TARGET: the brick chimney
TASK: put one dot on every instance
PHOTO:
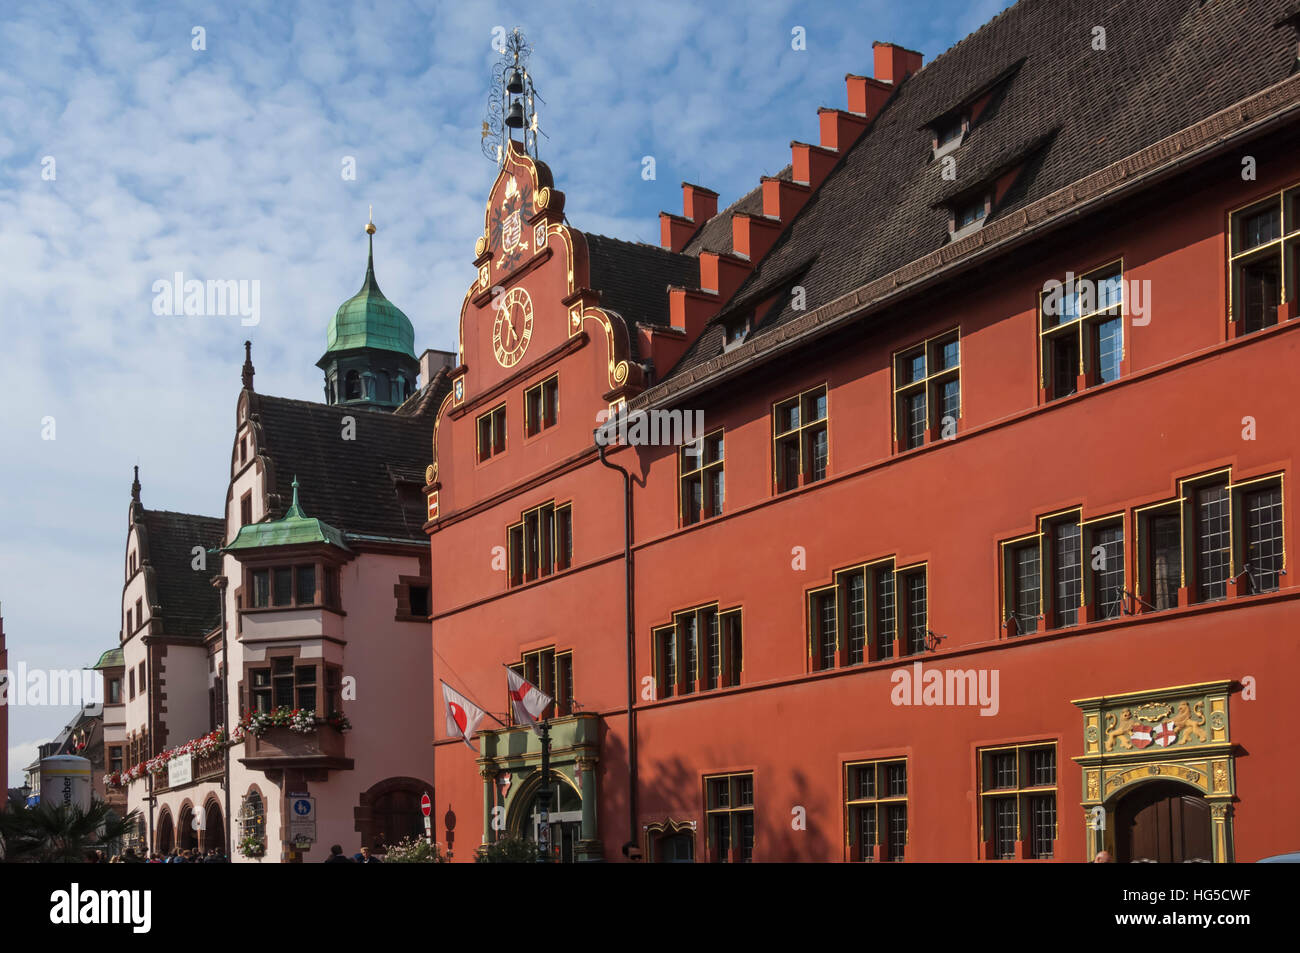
(431, 362)
(894, 63)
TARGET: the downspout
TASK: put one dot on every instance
(631, 646)
(149, 734)
(220, 583)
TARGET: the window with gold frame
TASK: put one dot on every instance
(542, 406)
(927, 390)
(552, 673)
(701, 478)
(1081, 332)
(1264, 242)
(1218, 538)
(800, 440)
(1017, 787)
(870, 612)
(701, 650)
(875, 795)
(540, 544)
(490, 429)
(729, 817)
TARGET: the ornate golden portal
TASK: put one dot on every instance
(1170, 734)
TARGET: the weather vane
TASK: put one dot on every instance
(512, 101)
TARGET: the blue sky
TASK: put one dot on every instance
(225, 163)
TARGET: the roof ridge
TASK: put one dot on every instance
(194, 516)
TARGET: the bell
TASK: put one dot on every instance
(515, 85)
(515, 117)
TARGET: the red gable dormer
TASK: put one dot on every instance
(531, 314)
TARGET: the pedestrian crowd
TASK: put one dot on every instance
(177, 856)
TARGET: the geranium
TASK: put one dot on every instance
(338, 721)
(252, 846)
(302, 721)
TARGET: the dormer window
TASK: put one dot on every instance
(967, 215)
(949, 132)
(737, 331)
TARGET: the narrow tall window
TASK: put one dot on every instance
(855, 598)
(885, 618)
(824, 643)
(1066, 572)
(1263, 539)
(491, 431)
(702, 478)
(1166, 562)
(1025, 588)
(914, 588)
(1107, 566)
(541, 406)
(665, 662)
(801, 448)
(1213, 542)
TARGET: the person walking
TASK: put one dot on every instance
(336, 856)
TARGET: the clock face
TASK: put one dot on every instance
(513, 327)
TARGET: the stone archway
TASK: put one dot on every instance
(214, 826)
(565, 809)
(163, 836)
(390, 811)
(1163, 821)
(186, 836)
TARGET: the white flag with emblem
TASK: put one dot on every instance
(526, 699)
(463, 715)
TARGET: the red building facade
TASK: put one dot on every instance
(962, 568)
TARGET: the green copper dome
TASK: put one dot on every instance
(293, 529)
(369, 320)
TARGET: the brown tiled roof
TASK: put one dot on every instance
(1068, 111)
(353, 485)
(716, 235)
(184, 599)
(633, 279)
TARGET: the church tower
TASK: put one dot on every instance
(369, 358)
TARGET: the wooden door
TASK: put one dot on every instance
(1162, 821)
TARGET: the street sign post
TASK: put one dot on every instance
(426, 808)
(302, 819)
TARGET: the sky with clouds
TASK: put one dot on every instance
(226, 163)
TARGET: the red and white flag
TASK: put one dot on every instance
(527, 700)
(463, 715)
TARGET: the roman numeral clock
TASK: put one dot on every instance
(513, 327)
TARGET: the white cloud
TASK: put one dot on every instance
(225, 163)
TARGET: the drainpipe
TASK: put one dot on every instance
(149, 734)
(220, 583)
(631, 646)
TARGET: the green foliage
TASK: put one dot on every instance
(414, 850)
(252, 846)
(58, 834)
(508, 850)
